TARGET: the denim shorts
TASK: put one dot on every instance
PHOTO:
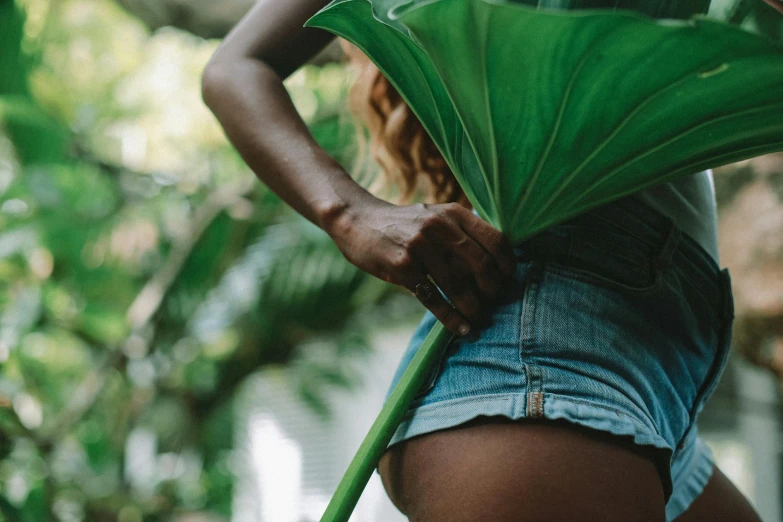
(617, 321)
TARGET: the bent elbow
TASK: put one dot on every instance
(214, 78)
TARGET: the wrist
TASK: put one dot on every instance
(333, 214)
(336, 215)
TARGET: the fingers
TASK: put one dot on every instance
(483, 248)
(466, 257)
(435, 303)
(456, 281)
(491, 239)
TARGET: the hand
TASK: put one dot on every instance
(777, 4)
(469, 259)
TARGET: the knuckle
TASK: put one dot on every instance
(496, 241)
(416, 241)
(453, 208)
(402, 261)
(431, 222)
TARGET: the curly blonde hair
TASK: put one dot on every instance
(408, 157)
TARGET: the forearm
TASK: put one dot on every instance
(259, 118)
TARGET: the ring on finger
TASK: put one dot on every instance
(425, 291)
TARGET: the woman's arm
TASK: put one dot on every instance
(470, 260)
(242, 85)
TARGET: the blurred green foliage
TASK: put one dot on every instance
(145, 272)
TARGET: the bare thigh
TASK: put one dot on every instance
(501, 470)
(720, 501)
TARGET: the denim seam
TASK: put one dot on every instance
(663, 259)
(715, 308)
(620, 225)
(534, 404)
(527, 317)
(592, 278)
(699, 474)
(535, 397)
(713, 376)
(433, 411)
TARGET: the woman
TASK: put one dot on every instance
(581, 357)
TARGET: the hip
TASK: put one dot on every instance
(616, 315)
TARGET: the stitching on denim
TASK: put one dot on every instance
(621, 414)
(715, 307)
(425, 410)
(619, 224)
(431, 410)
(598, 237)
(597, 405)
(535, 404)
(527, 317)
(663, 259)
(712, 378)
(616, 216)
(620, 251)
(592, 278)
(535, 384)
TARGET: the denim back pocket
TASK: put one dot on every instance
(607, 258)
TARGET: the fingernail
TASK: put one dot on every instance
(464, 329)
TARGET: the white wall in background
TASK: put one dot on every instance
(289, 461)
(749, 448)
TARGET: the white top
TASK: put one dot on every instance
(690, 202)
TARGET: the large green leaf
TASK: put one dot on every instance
(545, 113)
(412, 74)
(561, 111)
(664, 8)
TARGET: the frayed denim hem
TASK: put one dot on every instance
(692, 474)
(449, 413)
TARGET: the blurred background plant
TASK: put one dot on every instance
(145, 273)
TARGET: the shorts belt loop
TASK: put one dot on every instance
(664, 256)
